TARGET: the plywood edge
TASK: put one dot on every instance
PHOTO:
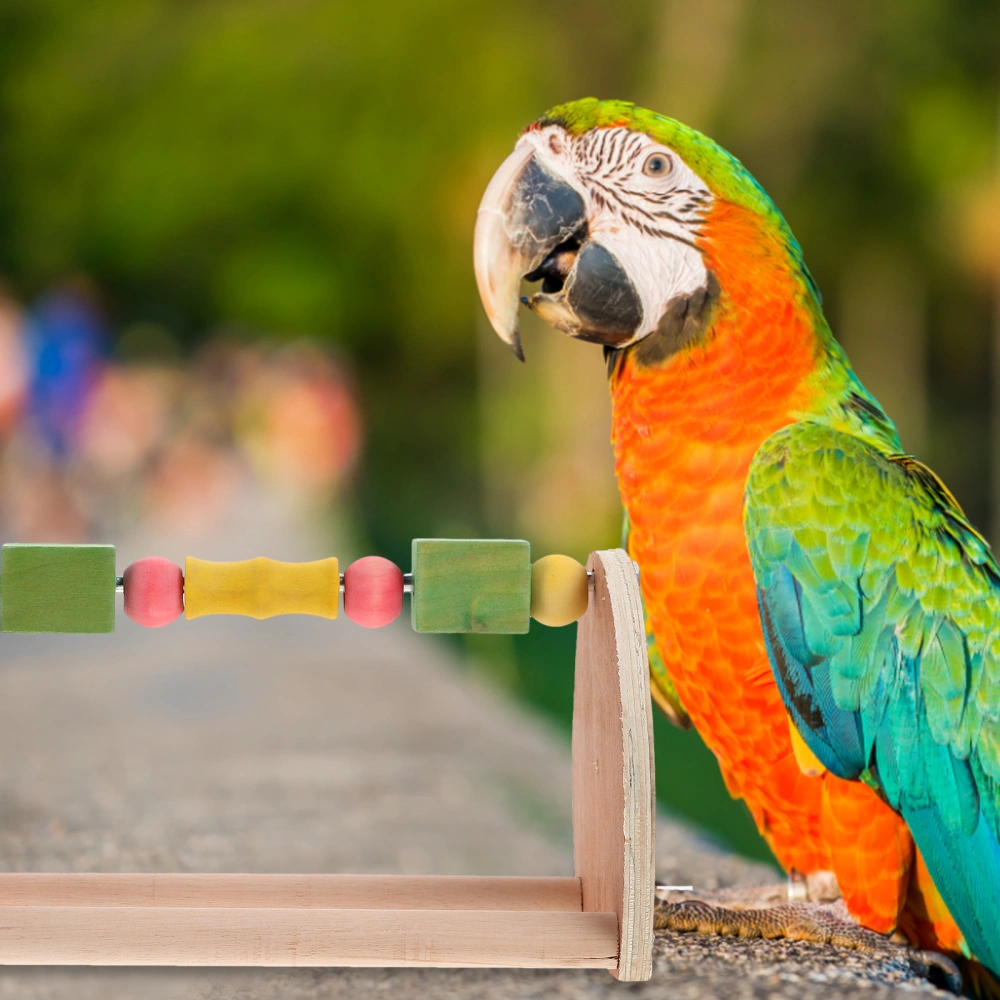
(398, 892)
(638, 771)
(287, 937)
(613, 783)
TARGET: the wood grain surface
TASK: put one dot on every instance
(471, 585)
(399, 892)
(57, 588)
(290, 936)
(261, 588)
(613, 785)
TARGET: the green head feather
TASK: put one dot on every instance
(721, 171)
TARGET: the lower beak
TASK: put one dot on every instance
(533, 224)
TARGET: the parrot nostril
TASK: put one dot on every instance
(553, 271)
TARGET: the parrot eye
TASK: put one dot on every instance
(656, 165)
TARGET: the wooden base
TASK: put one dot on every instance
(602, 918)
(301, 920)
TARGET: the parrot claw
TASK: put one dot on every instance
(767, 916)
(938, 968)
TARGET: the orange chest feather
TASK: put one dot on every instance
(685, 432)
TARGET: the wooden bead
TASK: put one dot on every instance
(471, 585)
(261, 588)
(154, 592)
(558, 590)
(373, 591)
(57, 588)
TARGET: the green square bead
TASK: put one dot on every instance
(57, 588)
(471, 585)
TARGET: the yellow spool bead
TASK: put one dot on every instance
(558, 590)
(261, 588)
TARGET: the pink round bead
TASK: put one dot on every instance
(154, 592)
(373, 591)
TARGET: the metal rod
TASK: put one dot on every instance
(407, 581)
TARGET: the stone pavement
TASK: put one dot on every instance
(298, 745)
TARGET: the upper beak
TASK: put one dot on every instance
(533, 224)
(525, 213)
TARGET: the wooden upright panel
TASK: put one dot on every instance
(613, 792)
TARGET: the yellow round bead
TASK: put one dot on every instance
(558, 590)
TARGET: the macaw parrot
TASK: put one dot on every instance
(818, 605)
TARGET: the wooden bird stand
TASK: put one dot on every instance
(601, 918)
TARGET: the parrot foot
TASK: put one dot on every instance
(767, 913)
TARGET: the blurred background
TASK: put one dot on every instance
(235, 261)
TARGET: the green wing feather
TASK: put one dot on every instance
(880, 606)
(662, 686)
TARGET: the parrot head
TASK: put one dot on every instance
(606, 204)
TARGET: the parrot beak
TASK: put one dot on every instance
(525, 214)
(532, 225)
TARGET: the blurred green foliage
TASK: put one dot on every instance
(291, 168)
(312, 167)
